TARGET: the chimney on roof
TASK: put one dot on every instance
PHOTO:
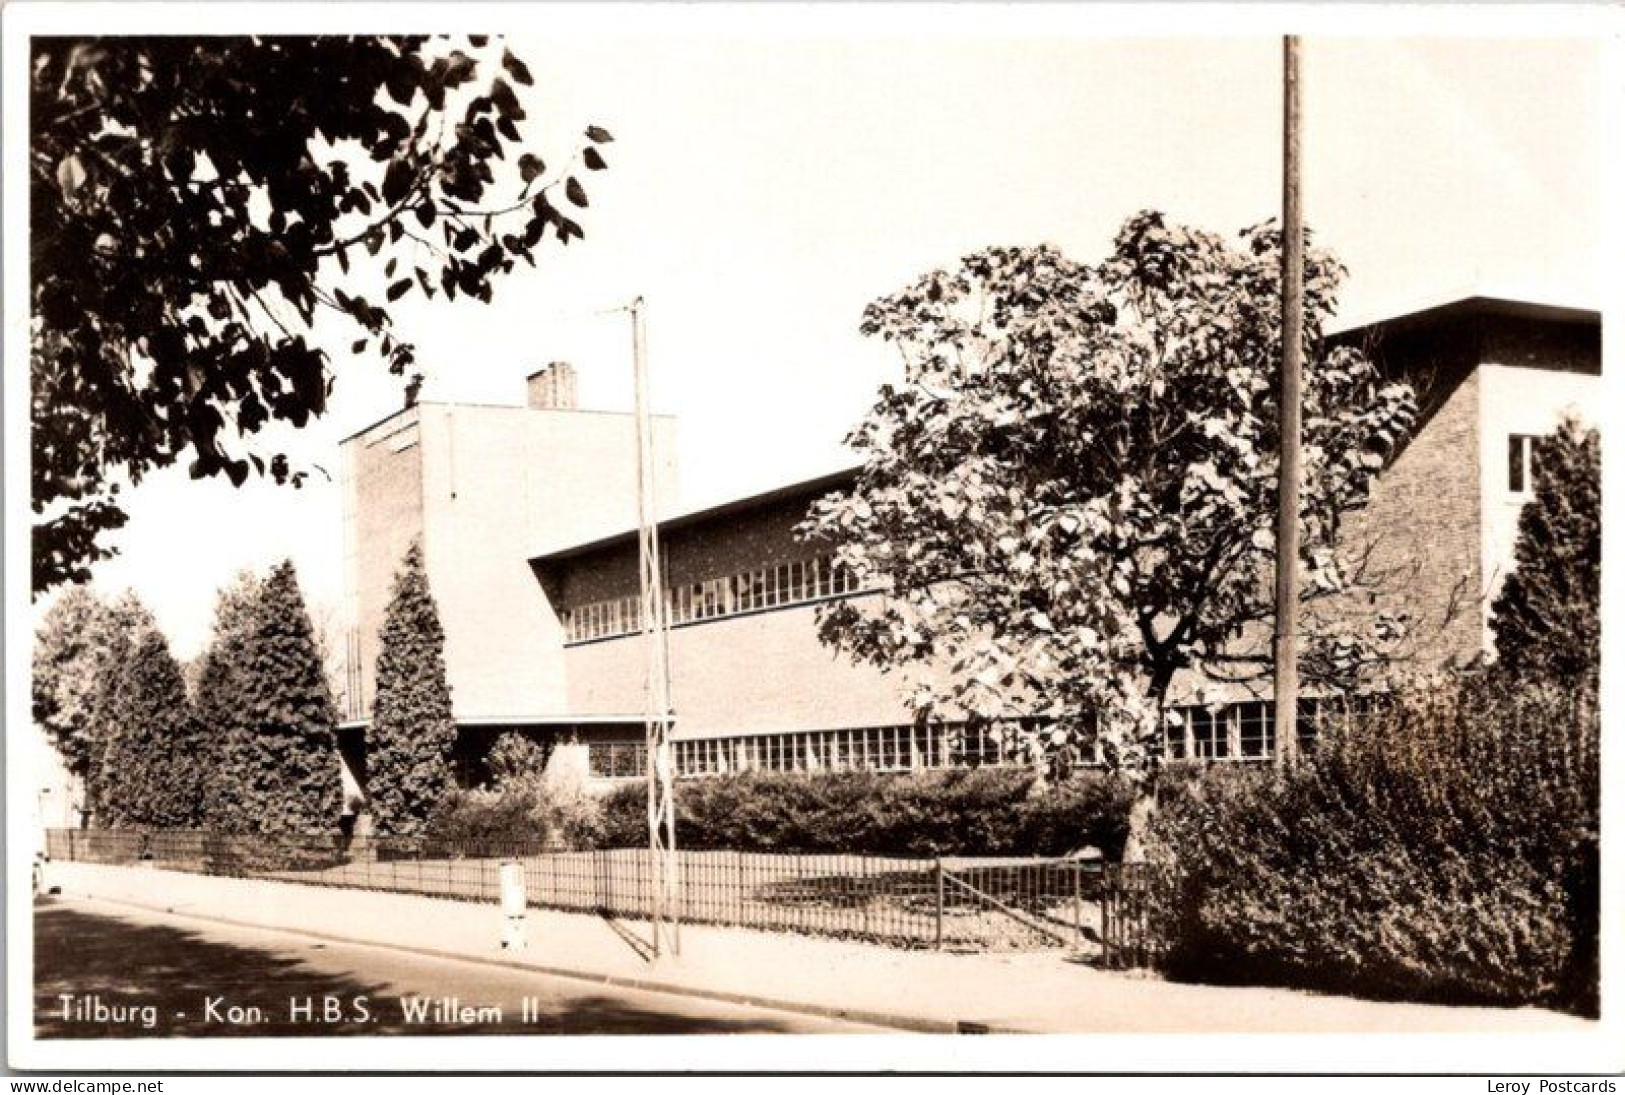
(552, 388)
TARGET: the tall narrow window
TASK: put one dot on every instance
(1520, 462)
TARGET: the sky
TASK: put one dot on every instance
(762, 190)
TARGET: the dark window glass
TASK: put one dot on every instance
(1518, 462)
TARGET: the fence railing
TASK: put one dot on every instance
(950, 904)
(1127, 940)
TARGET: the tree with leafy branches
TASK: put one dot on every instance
(70, 653)
(1069, 500)
(412, 734)
(81, 642)
(1546, 616)
(154, 766)
(199, 204)
(279, 762)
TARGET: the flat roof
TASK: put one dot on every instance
(817, 485)
(1422, 316)
(486, 407)
(1474, 305)
(498, 721)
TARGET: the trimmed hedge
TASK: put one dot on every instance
(520, 812)
(968, 812)
(1443, 848)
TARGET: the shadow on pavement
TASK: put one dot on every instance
(128, 967)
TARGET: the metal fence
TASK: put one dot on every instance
(949, 904)
(1127, 939)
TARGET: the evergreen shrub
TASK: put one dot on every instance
(152, 755)
(279, 763)
(413, 732)
(1439, 848)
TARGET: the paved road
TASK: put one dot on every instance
(106, 971)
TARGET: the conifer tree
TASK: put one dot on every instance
(116, 632)
(1545, 619)
(219, 700)
(280, 767)
(408, 763)
(151, 760)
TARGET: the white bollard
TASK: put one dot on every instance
(512, 876)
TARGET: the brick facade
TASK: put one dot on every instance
(762, 671)
(508, 501)
(1421, 528)
(383, 499)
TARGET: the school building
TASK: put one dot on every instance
(527, 519)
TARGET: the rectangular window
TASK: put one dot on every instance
(1173, 743)
(1520, 462)
(750, 591)
(894, 755)
(1257, 721)
(1308, 724)
(617, 759)
(1210, 733)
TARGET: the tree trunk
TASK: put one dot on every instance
(1140, 814)
(1144, 808)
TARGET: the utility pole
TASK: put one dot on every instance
(658, 714)
(1286, 524)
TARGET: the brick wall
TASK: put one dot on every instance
(1442, 513)
(1422, 527)
(384, 508)
(760, 672)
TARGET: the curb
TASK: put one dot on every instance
(911, 1023)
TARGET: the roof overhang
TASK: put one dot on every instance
(486, 721)
(1471, 307)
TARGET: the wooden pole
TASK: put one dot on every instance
(1286, 527)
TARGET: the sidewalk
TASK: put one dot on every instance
(911, 990)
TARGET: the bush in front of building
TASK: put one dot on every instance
(515, 756)
(527, 812)
(962, 812)
(1442, 848)
(524, 803)
(474, 817)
